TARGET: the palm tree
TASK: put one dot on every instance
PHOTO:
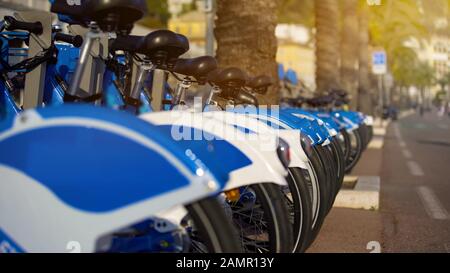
(396, 22)
(158, 14)
(245, 34)
(365, 95)
(296, 12)
(349, 60)
(327, 44)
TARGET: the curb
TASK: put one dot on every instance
(365, 195)
(405, 114)
(363, 192)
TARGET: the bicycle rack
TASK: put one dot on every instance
(139, 73)
(158, 87)
(92, 75)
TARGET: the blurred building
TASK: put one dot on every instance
(193, 26)
(435, 51)
(176, 6)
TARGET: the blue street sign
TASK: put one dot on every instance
(379, 62)
(379, 58)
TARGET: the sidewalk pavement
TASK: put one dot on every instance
(354, 230)
(348, 230)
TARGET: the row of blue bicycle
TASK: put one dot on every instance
(103, 147)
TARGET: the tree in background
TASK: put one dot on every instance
(391, 25)
(245, 34)
(395, 22)
(443, 96)
(423, 78)
(327, 44)
(403, 71)
(349, 48)
(435, 12)
(158, 14)
(188, 7)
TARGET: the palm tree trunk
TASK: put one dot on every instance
(327, 44)
(365, 96)
(349, 60)
(245, 34)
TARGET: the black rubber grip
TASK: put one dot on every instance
(130, 43)
(75, 40)
(12, 24)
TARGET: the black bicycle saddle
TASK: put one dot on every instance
(260, 84)
(163, 47)
(228, 77)
(199, 67)
(111, 15)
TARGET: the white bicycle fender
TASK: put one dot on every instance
(368, 121)
(298, 156)
(292, 137)
(261, 170)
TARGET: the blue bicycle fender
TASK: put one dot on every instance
(99, 161)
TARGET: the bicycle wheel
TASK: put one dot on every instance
(300, 209)
(214, 232)
(364, 132)
(345, 143)
(339, 158)
(324, 189)
(370, 130)
(204, 229)
(330, 173)
(260, 216)
(355, 150)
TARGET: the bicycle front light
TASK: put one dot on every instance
(284, 152)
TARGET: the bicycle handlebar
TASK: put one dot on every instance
(12, 24)
(75, 40)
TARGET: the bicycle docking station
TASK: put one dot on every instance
(90, 75)
(174, 196)
(35, 80)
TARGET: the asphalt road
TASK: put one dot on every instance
(415, 189)
(414, 167)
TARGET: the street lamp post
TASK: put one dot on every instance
(380, 95)
(379, 68)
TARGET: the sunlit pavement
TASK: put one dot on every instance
(415, 193)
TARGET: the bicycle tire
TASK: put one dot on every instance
(274, 216)
(215, 228)
(355, 152)
(302, 209)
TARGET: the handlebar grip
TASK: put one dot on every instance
(75, 40)
(12, 24)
